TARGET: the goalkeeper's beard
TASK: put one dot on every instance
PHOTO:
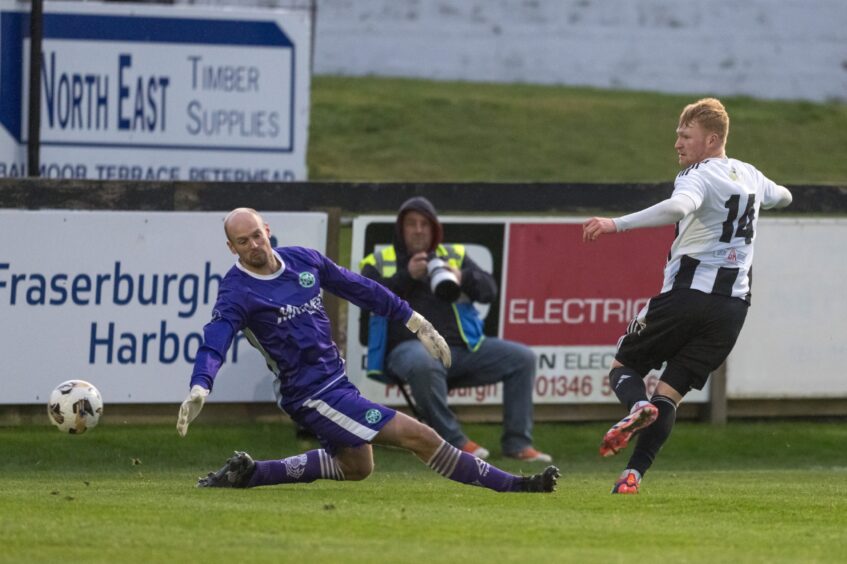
(257, 258)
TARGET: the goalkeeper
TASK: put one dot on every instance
(273, 295)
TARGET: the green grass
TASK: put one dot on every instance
(383, 129)
(747, 492)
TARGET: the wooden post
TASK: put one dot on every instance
(34, 131)
(717, 396)
(332, 304)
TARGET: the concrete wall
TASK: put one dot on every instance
(791, 49)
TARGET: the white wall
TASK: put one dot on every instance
(792, 49)
(793, 342)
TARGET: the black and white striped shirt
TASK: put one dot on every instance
(713, 249)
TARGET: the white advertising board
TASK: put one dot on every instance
(120, 299)
(793, 342)
(158, 92)
(557, 295)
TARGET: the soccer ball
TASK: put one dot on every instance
(75, 406)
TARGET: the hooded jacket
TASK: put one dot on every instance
(457, 322)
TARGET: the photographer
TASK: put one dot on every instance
(441, 282)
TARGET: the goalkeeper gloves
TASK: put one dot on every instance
(430, 338)
(190, 408)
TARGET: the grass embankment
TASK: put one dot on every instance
(382, 129)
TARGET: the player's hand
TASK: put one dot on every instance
(596, 226)
(190, 408)
(431, 339)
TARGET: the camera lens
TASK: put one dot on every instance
(442, 281)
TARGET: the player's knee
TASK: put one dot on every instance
(359, 475)
(615, 375)
(358, 471)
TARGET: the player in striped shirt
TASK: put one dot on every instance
(695, 320)
(274, 295)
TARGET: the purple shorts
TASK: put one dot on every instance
(341, 417)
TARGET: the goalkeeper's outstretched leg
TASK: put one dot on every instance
(404, 432)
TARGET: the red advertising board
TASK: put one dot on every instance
(560, 291)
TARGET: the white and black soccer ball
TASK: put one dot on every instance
(75, 406)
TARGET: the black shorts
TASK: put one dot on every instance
(692, 331)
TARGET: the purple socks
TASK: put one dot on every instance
(462, 467)
(303, 468)
(448, 461)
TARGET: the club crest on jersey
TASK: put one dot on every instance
(731, 255)
(733, 174)
(373, 416)
(307, 279)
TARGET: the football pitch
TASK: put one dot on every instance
(763, 491)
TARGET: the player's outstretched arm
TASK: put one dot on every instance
(666, 212)
(430, 338)
(190, 408)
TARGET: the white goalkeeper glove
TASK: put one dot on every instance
(432, 341)
(190, 408)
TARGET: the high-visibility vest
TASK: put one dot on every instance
(467, 318)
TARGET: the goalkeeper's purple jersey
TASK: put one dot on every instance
(282, 315)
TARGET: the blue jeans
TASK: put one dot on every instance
(496, 360)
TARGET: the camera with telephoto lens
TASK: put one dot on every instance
(442, 281)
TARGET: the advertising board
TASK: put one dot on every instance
(120, 299)
(133, 92)
(567, 300)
